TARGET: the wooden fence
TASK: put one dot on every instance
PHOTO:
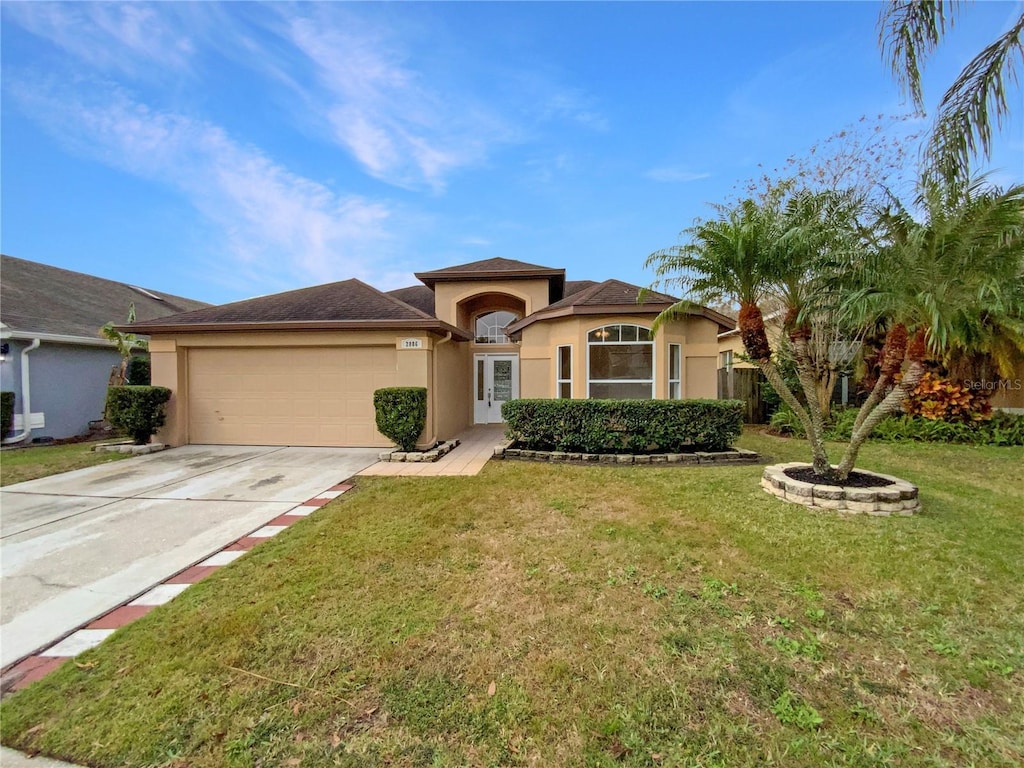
(743, 384)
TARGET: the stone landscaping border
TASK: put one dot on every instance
(899, 498)
(426, 456)
(736, 456)
(128, 448)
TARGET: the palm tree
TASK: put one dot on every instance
(950, 282)
(909, 31)
(762, 252)
(125, 343)
(935, 285)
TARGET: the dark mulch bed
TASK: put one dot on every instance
(855, 480)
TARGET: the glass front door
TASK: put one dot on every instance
(495, 381)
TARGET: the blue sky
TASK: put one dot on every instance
(225, 151)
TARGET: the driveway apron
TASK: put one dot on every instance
(75, 545)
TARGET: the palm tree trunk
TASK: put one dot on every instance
(809, 383)
(892, 403)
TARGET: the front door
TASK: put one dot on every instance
(495, 381)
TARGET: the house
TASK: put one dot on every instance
(51, 354)
(300, 368)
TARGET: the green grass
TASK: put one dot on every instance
(564, 616)
(21, 464)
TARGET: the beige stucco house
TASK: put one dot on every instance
(300, 368)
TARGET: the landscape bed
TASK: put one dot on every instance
(558, 615)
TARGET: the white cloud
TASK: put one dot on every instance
(479, 241)
(121, 36)
(675, 174)
(400, 128)
(277, 226)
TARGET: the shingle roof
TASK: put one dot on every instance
(344, 300)
(612, 297)
(348, 303)
(497, 264)
(575, 286)
(418, 296)
(611, 292)
(37, 298)
(490, 269)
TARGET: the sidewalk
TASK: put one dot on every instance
(9, 758)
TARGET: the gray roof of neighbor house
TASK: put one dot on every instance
(348, 304)
(40, 300)
(613, 297)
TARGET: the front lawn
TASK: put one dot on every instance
(551, 615)
(21, 464)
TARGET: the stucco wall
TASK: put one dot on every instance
(540, 341)
(447, 296)
(68, 384)
(448, 402)
(452, 396)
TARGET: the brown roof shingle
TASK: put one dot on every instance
(418, 296)
(344, 300)
(612, 297)
(345, 304)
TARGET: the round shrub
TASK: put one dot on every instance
(138, 411)
(401, 414)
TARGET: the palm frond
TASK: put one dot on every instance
(908, 32)
(973, 104)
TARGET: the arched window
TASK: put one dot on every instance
(620, 362)
(490, 327)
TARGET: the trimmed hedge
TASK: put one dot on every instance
(1002, 429)
(401, 414)
(139, 411)
(6, 412)
(624, 426)
(139, 372)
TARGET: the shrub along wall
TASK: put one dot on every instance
(1001, 429)
(139, 411)
(139, 371)
(624, 426)
(6, 412)
(401, 414)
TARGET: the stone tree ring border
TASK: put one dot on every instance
(897, 498)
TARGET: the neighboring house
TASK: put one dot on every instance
(300, 368)
(51, 317)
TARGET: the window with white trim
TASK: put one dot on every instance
(675, 371)
(726, 360)
(490, 327)
(563, 372)
(620, 363)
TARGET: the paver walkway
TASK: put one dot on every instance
(476, 447)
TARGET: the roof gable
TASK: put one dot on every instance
(613, 297)
(612, 293)
(40, 299)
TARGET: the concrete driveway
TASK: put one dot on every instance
(75, 545)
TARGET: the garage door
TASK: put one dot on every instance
(278, 396)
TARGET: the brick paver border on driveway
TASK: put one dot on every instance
(41, 663)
